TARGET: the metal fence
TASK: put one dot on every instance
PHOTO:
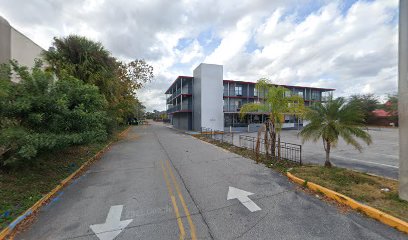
(220, 136)
(288, 151)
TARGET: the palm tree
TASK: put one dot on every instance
(277, 102)
(333, 119)
(86, 60)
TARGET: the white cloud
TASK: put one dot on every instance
(355, 49)
(352, 50)
(233, 42)
(192, 52)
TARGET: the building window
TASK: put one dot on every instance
(225, 104)
(238, 90)
(226, 90)
(238, 104)
(315, 95)
(255, 92)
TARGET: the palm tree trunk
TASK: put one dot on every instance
(257, 150)
(272, 130)
(258, 144)
(279, 147)
(266, 141)
(327, 163)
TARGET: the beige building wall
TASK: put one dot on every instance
(16, 46)
(5, 38)
(23, 49)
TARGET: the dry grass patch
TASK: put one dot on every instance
(364, 188)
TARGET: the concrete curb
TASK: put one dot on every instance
(369, 211)
(9, 229)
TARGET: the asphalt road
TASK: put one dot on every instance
(157, 174)
(379, 158)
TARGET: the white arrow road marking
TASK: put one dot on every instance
(113, 226)
(242, 196)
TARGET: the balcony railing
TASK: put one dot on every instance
(174, 109)
(179, 107)
(176, 93)
(231, 109)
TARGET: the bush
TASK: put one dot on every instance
(40, 113)
(90, 62)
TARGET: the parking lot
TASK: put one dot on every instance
(379, 158)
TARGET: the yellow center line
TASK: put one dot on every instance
(173, 200)
(183, 203)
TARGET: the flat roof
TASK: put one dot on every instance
(283, 85)
(244, 82)
(174, 82)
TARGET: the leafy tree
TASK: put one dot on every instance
(140, 110)
(149, 115)
(90, 62)
(132, 77)
(5, 91)
(163, 116)
(367, 103)
(86, 60)
(333, 119)
(278, 102)
(41, 113)
(391, 104)
(137, 72)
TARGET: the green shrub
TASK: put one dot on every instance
(40, 113)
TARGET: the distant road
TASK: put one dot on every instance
(380, 158)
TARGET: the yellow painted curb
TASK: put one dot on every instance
(370, 211)
(9, 229)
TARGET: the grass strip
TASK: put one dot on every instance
(377, 192)
(280, 166)
(21, 188)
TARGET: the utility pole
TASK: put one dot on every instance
(403, 99)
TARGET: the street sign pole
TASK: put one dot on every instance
(403, 99)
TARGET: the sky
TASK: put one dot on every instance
(351, 46)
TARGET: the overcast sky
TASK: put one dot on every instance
(347, 45)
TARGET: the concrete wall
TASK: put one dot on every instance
(5, 38)
(23, 49)
(181, 121)
(16, 46)
(288, 125)
(403, 99)
(208, 80)
(197, 99)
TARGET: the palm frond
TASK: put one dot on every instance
(333, 119)
(251, 107)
